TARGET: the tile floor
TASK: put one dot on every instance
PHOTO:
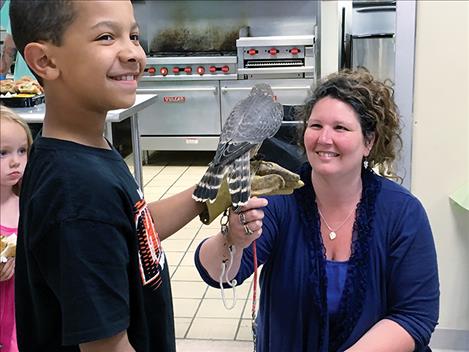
(202, 322)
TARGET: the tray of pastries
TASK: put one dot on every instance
(23, 93)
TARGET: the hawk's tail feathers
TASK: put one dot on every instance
(239, 181)
(208, 186)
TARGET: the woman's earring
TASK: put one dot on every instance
(365, 163)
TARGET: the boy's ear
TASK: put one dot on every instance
(37, 56)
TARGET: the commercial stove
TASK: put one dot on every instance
(198, 90)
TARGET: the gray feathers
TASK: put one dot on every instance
(252, 120)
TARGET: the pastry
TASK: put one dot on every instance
(7, 86)
(24, 79)
(31, 87)
(7, 246)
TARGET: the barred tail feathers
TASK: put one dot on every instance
(208, 186)
(239, 181)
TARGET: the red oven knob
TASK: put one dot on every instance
(212, 69)
(295, 51)
(163, 71)
(273, 51)
(200, 70)
(151, 70)
(188, 70)
(175, 69)
(225, 69)
(252, 52)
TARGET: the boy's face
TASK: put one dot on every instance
(100, 58)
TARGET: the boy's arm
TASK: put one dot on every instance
(116, 343)
(172, 213)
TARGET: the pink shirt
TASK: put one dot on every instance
(7, 307)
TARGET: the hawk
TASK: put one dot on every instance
(252, 120)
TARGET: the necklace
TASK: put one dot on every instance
(332, 233)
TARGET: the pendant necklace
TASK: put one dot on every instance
(333, 233)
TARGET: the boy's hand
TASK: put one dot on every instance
(7, 269)
(268, 178)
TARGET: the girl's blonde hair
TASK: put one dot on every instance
(7, 114)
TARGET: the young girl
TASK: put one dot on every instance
(15, 141)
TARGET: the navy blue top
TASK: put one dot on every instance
(392, 272)
(336, 274)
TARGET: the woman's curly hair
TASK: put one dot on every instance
(373, 101)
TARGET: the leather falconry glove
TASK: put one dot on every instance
(268, 178)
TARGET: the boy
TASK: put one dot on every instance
(90, 271)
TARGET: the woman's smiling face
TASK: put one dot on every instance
(334, 139)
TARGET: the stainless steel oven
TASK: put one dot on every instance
(198, 90)
(170, 123)
(186, 115)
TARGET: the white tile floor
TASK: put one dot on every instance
(202, 322)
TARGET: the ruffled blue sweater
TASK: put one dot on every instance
(392, 272)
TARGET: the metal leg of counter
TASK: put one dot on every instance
(108, 131)
(137, 152)
(136, 149)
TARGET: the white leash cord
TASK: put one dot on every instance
(224, 277)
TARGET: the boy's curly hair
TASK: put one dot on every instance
(373, 101)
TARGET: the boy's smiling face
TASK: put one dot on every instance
(100, 57)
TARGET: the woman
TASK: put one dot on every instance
(349, 261)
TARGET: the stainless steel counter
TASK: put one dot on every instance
(36, 115)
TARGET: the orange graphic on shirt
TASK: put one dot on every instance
(150, 253)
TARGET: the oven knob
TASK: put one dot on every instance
(200, 70)
(151, 71)
(225, 69)
(163, 71)
(212, 69)
(188, 70)
(252, 52)
(273, 51)
(175, 69)
(295, 51)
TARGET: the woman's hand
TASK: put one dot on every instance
(7, 269)
(245, 226)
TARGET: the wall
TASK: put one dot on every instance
(440, 148)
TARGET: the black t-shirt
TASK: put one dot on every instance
(89, 262)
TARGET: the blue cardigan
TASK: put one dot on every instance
(392, 271)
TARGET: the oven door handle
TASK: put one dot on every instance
(225, 90)
(275, 69)
(181, 89)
